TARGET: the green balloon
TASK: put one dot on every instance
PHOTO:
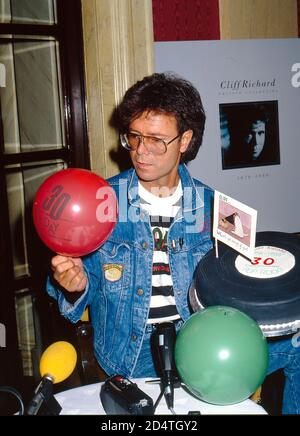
(221, 355)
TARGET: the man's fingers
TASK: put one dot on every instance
(73, 279)
(65, 266)
(78, 283)
(62, 263)
(56, 260)
(69, 273)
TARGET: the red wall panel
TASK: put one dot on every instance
(185, 20)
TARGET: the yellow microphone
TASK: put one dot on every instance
(57, 363)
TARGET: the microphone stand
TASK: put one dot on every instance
(43, 401)
(164, 342)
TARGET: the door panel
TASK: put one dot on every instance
(28, 11)
(42, 130)
(31, 101)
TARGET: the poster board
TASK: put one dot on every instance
(235, 79)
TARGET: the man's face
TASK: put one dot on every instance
(256, 138)
(158, 170)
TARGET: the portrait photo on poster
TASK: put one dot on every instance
(249, 133)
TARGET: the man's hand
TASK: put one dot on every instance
(69, 273)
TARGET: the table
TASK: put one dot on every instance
(85, 400)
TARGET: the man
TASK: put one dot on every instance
(255, 139)
(141, 275)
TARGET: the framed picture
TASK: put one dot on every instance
(249, 134)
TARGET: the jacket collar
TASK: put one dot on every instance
(191, 196)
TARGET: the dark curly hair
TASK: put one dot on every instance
(169, 94)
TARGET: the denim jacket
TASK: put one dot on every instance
(120, 271)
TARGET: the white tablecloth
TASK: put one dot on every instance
(85, 400)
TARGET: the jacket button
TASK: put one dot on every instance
(133, 337)
(140, 291)
(145, 245)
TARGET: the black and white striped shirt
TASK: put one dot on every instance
(162, 211)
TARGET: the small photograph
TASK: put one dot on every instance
(249, 134)
(234, 224)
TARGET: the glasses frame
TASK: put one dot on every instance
(125, 143)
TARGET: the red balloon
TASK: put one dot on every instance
(74, 212)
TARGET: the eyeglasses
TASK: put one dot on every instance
(154, 145)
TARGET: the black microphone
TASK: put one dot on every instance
(165, 341)
(42, 394)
